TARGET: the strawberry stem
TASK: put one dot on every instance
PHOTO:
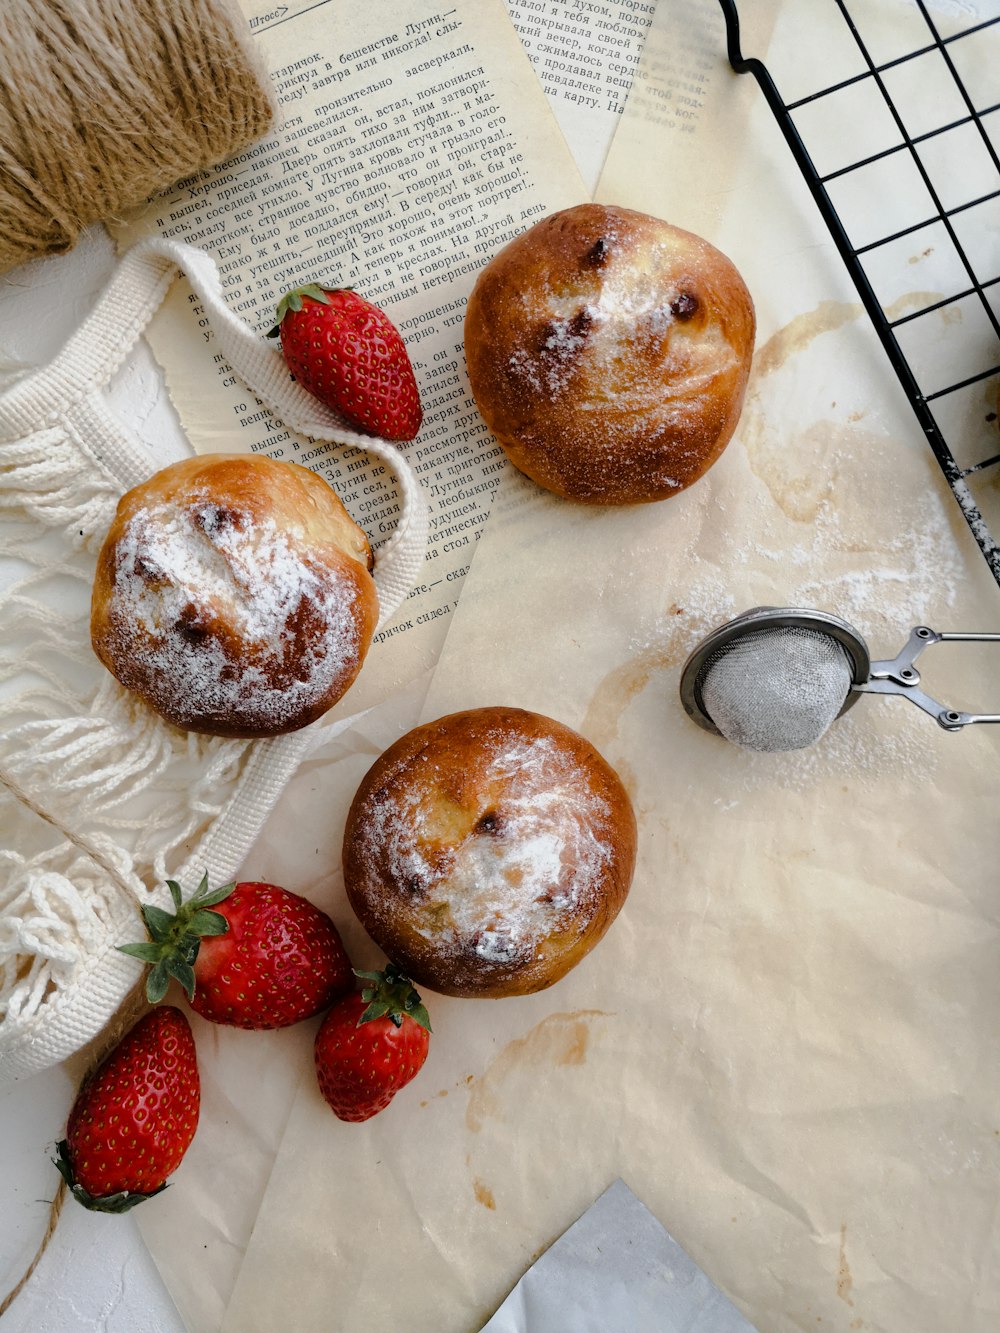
(392, 995)
(120, 1202)
(292, 300)
(175, 937)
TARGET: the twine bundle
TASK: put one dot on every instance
(105, 102)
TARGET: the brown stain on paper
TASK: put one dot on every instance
(484, 1195)
(620, 686)
(560, 1040)
(827, 317)
(801, 493)
(799, 332)
(798, 492)
(844, 1279)
(624, 683)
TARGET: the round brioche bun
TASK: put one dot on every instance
(608, 352)
(488, 852)
(234, 595)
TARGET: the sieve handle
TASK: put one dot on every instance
(900, 676)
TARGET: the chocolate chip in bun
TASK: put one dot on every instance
(488, 852)
(608, 352)
(234, 595)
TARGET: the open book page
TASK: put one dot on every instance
(676, 147)
(585, 53)
(786, 1039)
(414, 142)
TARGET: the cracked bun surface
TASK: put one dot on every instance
(488, 852)
(609, 352)
(234, 595)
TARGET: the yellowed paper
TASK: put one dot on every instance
(414, 142)
(786, 1041)
(585, 53)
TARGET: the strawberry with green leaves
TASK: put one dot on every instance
(371, 1044)
(249, 955)
(350, 355)
(134, 1117)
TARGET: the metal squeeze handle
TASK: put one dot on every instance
(899, 676)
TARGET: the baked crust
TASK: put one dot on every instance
(609, 352)
(233, 594)
(488, 852)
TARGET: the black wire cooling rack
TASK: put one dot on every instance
(939, 408)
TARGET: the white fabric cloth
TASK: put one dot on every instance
(139, 795)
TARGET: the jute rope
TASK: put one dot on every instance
(55, 1208)
(105, 102)
(134, 1005)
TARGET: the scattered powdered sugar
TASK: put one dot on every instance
(776, 689)
(528, 866)
(599, 338)
(219, 614)
(908, 578)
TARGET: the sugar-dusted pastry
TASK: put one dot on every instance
(609, 351)
(234, 595)
(488, 852)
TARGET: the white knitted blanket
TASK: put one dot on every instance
(136, 799)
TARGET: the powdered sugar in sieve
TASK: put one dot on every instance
(777, 689)
(775, 678)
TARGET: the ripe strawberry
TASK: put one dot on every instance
(263, 958)
(371, 1044)
(134, 1117)
(349, 354)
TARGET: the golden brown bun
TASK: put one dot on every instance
(609, 353)
(488, 852)
(233, 595)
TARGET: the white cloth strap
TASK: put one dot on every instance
(66, 460)
(103, 341)
(262, 367)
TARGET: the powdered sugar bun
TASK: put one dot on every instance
(488, 852)
(609, 351)
(234, 595)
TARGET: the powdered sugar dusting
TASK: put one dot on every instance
(493, 884)
(908, 579)
(221, 614)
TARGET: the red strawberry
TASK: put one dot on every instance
(263, 958)
(134, 1117)
(349, 354)
(371, 1044)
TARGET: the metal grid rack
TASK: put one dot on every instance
(929, 403)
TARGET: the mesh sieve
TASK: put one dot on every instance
(776, 689)
(775, 678)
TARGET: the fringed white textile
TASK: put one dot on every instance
(141, 799)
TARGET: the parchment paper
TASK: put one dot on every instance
(788, 1038)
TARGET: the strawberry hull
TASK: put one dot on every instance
(248, 955)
